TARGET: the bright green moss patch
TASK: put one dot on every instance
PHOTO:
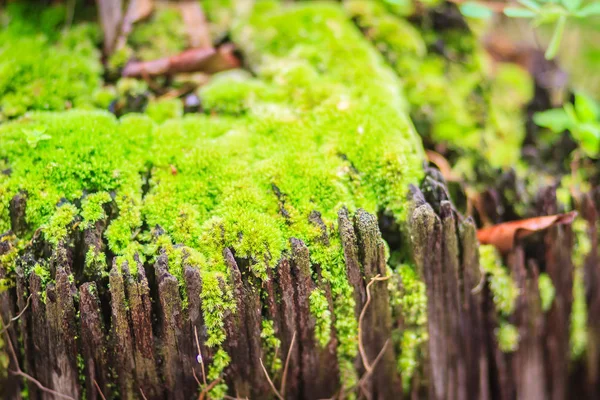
(455, 97)
(92, 210)
(320, 125)
(57, 227)
(508, 337)
(408, 292)
(504, 289)
(162, 110)
(46, 71)
(272, 345)
(319, 308)
(547, 291)
(579, 312)
(162, 36)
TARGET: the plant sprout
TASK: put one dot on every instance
(541, 12)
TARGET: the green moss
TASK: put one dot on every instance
(40, 73)
(504, 289)
(162, 36)
(579, 312)
(92, 210)
(455, 97)
(271, 345)
(321, 125)
(57, 227)
(411, 348)
(508, 337)
(408, 292)
(412, 298)
(547, 291)
(162, 110)
(319, 308)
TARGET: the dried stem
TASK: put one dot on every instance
(201, 359)
(99, 390)
(208, 388)
(15, 318)
(361, 347)
(270, 381)
(287, 364)
(22, 374)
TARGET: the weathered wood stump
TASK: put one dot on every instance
(135, 335)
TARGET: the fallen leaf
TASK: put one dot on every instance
(504, 235)
(209, 61)
(195, 24)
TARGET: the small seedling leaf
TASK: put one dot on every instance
(556, 120)
(589, 10)
(472, 9)
(556, 38)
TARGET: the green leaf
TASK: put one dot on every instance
(588, 137)
(532, 5)
(519, 12)
(472, 9)
(589, 10)
(549, 14)
(556, 120)
(586, 108)
(556, 38)
(34, 136)
(571, 5)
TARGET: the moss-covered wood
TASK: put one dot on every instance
(222, 254)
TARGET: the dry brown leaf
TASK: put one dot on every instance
(195, 24)
(194, 60)
(504, 235)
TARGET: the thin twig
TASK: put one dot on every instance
(287, 364)
(142, 393)
(201, 359)
(196, 377)
(208, 388)
(361, 347)
(17, 317)
(22, 374)
(99, 390)
(270, 381)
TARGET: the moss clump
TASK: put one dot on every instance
(271, 344)
(579, 312)
(163, 110)
(57, 227)
(508, 337)
(162, 36)
(504, 289)
(92, 208)
(547, 291)
(481, 117)
(408, 292)
(46, 71)
(319, 308)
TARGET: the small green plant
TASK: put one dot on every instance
(581, 119)
(541, 12)
(35, 135)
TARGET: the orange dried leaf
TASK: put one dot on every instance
(504, 235)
